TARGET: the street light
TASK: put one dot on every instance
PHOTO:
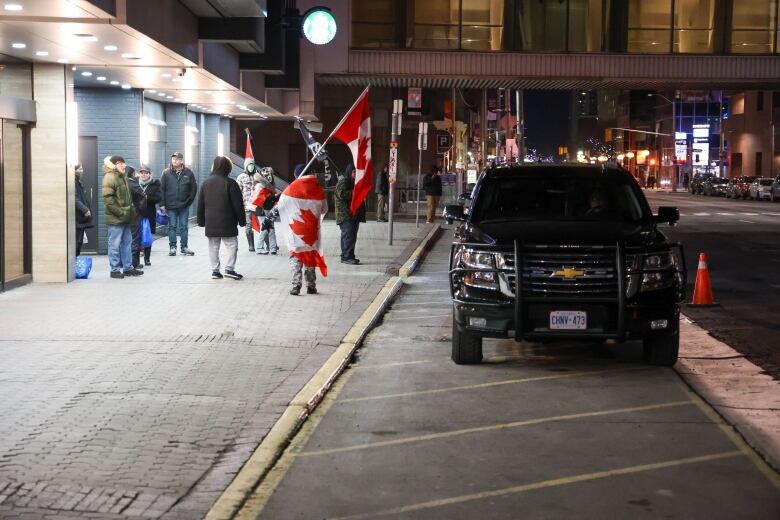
(674, 135)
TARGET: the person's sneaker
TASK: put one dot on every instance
(216, 275)
(351, 261)
(172, 252)
(117, 274)
(234, 275)
(251, 249)
(311, 290)
(296, 290)
(187, 252)
(134, 272)
(147, 262)
(273, 252)
(262, 252)
(139, 266)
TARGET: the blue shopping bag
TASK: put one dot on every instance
(146, 233)
(162, 218)
(83, 266)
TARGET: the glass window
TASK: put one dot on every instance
(374, 24)
(693, 22)
(542, 25)
(482, 25)
(585, 25)
(435, 24)
(753, 25)
(649, 26)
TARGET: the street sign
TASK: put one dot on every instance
(393, 164)
(443, 142)
(422, 136)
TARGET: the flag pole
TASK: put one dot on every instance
(322, 146)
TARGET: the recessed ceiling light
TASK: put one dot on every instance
(62, 60)
(161, 94)
(130, 56)
(101, 78)
(19, 45)
(126, 86)
(74, 68)
(13, 7)
(86, 73)
(114, 82)
(41, 53)
(152, 91)
(166, 75)
(87, 37)
(168, 97)
(176, 80)
(110, 48)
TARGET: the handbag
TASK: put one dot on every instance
(161, 218)
(83, 266)
(146, 233)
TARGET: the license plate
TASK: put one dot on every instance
(568, 320)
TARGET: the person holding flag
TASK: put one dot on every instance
(348, 220)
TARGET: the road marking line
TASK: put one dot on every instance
(749, 214)
(494, 427)
(730, 432)
(489, 385)
(386, 365)
(773, 214)
(726, 214)
(702, 214)
(574, 479)
(438, 303)
(747, 221)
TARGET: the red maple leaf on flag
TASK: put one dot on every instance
(306, 228)
(363, 143)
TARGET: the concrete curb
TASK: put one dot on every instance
(229, 504)
(740, 392)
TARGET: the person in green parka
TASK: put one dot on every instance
(119, 217)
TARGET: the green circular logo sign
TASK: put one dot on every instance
(319, 26)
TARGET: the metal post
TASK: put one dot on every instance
(520, 137)
(721, 151)
(483, 129)
(422, 144)
(398, 106)
(674, 144)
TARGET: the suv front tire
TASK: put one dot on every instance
(466, 347)
(661, 350)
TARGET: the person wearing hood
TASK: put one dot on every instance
(120, 215)
(179, 189)
(221, 212)
(139, 203)
(83, 211)
(151, 189)
(347, 221)
(247, 184)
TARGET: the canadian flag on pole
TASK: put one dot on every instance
(355, 131)
(248, 156)
(301, 208)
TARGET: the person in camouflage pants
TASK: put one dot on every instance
(297, 269)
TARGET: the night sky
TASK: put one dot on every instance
(547, 115)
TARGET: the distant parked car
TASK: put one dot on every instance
(741, 189)
(730, 187)
(760, 189)
(715, 186)
(774, 192)
(696, 185)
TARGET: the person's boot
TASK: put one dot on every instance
(296, 290)
(251, 240)
(311, 290)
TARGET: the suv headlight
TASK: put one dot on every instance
(472, 261)
(658, 271)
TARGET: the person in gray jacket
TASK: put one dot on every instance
(179, 189)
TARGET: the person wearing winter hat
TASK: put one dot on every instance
(120, 215)
(347, 221)
(221, 211)
(179, 189)
(151, 188)
(247, 183)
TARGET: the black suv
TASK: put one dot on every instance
(564, 253)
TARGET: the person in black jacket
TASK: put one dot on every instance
(221, 211)
(179, 189)
(139, 203)
(83, 211)
(432, 185)
(151, 189)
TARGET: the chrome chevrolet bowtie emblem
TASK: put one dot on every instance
(568, 273)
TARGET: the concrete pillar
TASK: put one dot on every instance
(176, 118)
(53, 230)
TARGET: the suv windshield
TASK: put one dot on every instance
(557, 197)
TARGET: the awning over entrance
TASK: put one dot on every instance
(555, 71)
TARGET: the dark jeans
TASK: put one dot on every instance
(79, 240)
(177, 221)
(135, 245)
(349, 231)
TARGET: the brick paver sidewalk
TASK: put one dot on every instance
(145, 396)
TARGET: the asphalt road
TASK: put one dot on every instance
(742, 243)
(536, 431)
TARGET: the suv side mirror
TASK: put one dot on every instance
(668, 214)
(454, 212)
(465, 196)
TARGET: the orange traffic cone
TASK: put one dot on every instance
(702, 292)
